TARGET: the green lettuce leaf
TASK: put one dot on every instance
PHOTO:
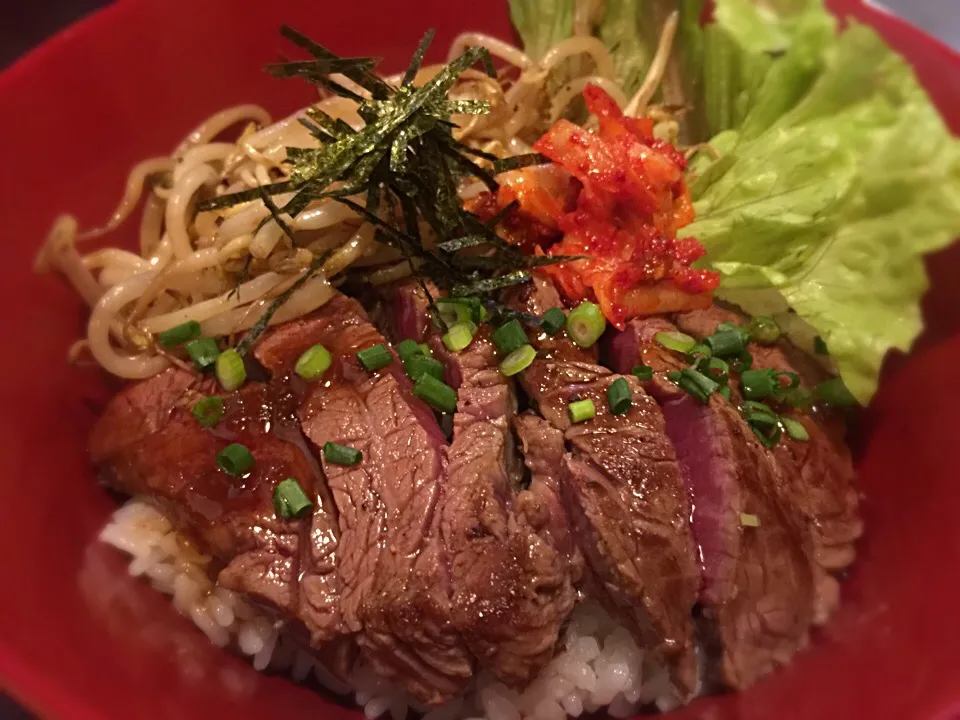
(542, 24)
(836, 175)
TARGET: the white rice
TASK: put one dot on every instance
(598, 665)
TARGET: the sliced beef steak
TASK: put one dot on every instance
(512, 589)
(757, 593)
(622, 487)
(147, 443)
(541, 504)
(819, 480)
(394, 562)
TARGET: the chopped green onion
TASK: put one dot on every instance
(678, 341)
(180, 334)
(834, 392)
(642, 372)
(727, 326)
(699, 355)
(235, 459)
(758, 384)
(452, 311)
(750, 405)
(728, 343)
(341, 454)
(518, 360)
(581, 410)
(799, 397)
(717, 370)
(425, 350)
(230, 370)
(459, 336)
(461, 309)
(819, 346)
(203, 352)
(748, 520)
(766, 426)
(694, 383)
(764, 330)
(509, 336)
(208, 410)
(795, 429)
(586, 324)
(552, 321)
(619, 396)
(313, 363)
(724, 392)
(419, 365)
(793, 381)
(438, 395)
(741, 362)
(374, 358)
(289, 499)
(408, 348)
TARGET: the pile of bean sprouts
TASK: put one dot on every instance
(223, 268)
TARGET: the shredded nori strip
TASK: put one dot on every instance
(409, 166)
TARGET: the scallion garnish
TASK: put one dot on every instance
(235, 459)
(834, 392)
(795, 429)
(176, 336)
(765, 425)
(717, 370)
(586, 324)
(724, 392)
(313, 363)
(509, 336)
(230, 370)
(341, 454)
(642, 372)
(676, 341)
(619, 396)
(741, 362)
(694, 383)
(758, 384)
(289, 499)
(753, 406)
(748, 520)
(436, 394)
(799, 397)
(764, 330)
(518, 360)
(408, 348)
(699, 355)
(581, 410)
(417, 366)
(374, 358)
(728, 343)
(453, 311)
(203, 352)
(552, 321)
(459, 336)
(208, 410)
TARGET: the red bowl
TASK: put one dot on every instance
(79, 638)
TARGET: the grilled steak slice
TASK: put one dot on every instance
(541, 504)
(819, 476)
(147, 443)
(622, 487)
(757, 593)
(511, 588)
(394, 562)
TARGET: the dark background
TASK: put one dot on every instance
(26, 23)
